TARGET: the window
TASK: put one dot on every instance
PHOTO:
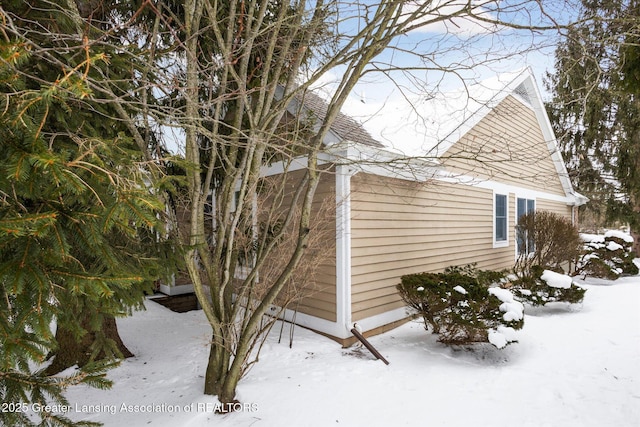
(500, 215)
(525, 206)
(525, 245)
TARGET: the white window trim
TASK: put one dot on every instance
(499, 243)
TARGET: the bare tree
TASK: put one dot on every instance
(229, 83)
(267, 54)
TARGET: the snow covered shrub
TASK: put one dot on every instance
(546, 239)
(609, 256)
(460, 307)
(543, 286)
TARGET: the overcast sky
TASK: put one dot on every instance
(475, 50)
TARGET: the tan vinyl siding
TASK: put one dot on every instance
(507, 146)
(399, 227)
(318, 285)
(560, 208)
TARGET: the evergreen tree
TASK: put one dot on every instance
(628, 82)
(77, 218)
(595, 107)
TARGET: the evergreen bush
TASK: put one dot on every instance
(544, 286)
(460, 306)
(608, 257)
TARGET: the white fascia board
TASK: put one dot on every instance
(480, 113)
(503, 188)
(297, 163)
(527, 79)
(549, 136)
(579, 199)
(363, 158)
(384, 162)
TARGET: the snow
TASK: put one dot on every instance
(460, 289)
(620, 235)
(497, 339)
(512, 309)
(573, 366)
(501, 337)
(592, 238)
(600, 238)
(503, 295)
(556, 280)
(613, 246)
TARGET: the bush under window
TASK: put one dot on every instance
(550, 241)
(544, 286)
(463, 306)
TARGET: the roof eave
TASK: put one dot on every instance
(383, 162)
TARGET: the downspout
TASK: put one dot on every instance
(343, 249)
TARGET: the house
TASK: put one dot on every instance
(437, 185)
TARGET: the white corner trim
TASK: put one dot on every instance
(343, 245)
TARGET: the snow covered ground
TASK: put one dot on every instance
(573, 366)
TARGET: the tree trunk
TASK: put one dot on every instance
(220, 380)
(216, 369)
(72, 351)
(635, 224)
(636, 242)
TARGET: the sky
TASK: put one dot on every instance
(471, 49)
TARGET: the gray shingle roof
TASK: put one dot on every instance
(347, 128)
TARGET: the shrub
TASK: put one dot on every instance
(543, 286)
(608, 257)
(546, 239)
(460, 307)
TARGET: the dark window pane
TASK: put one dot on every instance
(531, 205)
(521, 207)
(501, 217)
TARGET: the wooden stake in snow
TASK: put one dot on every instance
(367, 344)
